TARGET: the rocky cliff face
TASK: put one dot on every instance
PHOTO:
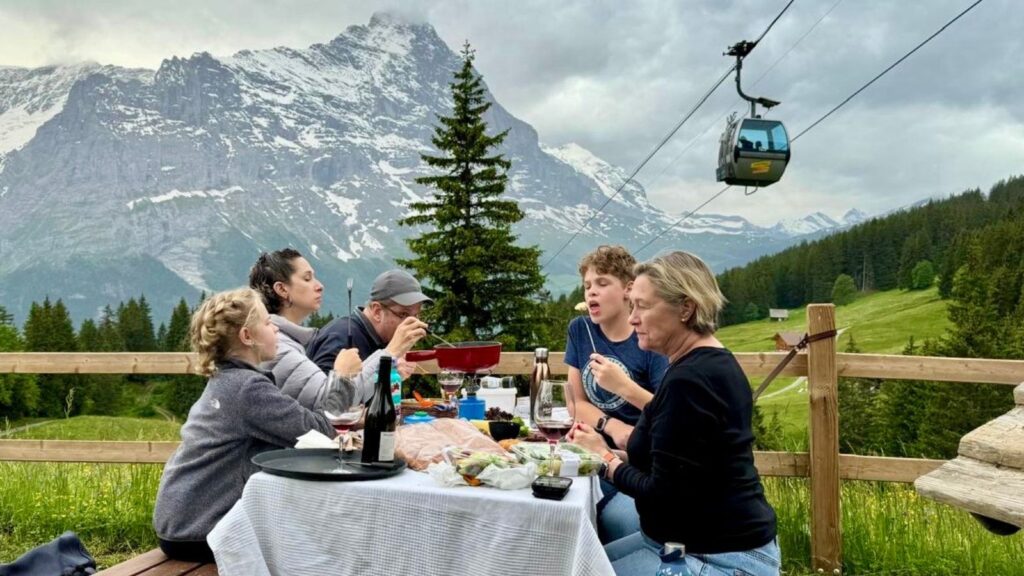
(117, 182)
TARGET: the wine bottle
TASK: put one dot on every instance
(379, 430)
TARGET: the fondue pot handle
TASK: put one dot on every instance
(420, 355)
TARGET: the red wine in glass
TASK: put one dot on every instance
(554, 431)
(344, 422)
(552, 412)
(342, 427)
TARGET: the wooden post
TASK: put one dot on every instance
(823, 385)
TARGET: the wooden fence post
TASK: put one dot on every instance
(823, 387)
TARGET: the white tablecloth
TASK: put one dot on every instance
(406, 525)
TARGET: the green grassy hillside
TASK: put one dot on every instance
(880, 323)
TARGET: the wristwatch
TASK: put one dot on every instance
(606, 462)
(601, 423)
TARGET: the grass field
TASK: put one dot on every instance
(102, 428)
(879, 323)
(110, 506)
(887, 529)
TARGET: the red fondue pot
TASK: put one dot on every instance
(462, 356)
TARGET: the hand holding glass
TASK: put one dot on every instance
(552, 412)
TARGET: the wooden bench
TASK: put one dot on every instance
(156, 563)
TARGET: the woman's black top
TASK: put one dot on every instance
(691, 461)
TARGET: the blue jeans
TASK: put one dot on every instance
(616, 514)
(638, 555)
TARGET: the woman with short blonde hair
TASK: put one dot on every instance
(681, 276)
(689, 463)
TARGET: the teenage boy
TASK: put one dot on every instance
(611, 378)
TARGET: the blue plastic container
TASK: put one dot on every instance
(471, 408)
(420, 417)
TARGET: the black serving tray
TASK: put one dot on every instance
(326, 464)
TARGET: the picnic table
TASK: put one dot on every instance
(407, 524)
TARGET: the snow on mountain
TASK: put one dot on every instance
(853, 217)
(29, 97)
(116, 182)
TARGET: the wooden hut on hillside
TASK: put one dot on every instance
(786, 341)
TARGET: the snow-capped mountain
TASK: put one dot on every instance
(818, 223)
(116, 182)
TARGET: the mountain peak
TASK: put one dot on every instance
(172, 184)
(853, 216)
(393, 19)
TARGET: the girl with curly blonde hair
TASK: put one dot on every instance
(240, 413)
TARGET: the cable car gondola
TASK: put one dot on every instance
(752, 151)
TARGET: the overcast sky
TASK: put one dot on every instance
(616, 76)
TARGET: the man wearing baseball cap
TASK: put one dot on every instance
(387, 321)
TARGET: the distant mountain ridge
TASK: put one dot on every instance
(116, 182)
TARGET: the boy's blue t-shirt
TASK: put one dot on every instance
(643, 367)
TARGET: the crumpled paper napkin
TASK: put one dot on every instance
(315, 439)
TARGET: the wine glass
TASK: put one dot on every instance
(552, 413)
(450, 382)
(344, 422)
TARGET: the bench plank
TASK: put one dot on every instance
(137, 565)
(156, 563)
(977, 487)
(172, 568)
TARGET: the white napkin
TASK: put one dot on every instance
(315, 439)
(444, 474)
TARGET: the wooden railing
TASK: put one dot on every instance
(822, 366)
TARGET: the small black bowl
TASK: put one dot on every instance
(502, 430)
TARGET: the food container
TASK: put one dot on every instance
(418, 417)
(469, 463)
(570, 459)
(503, 430)
(504, 398)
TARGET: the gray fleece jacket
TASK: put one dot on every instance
(240, 414)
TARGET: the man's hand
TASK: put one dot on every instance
(348, 362)
(408, 333)
(609, 375)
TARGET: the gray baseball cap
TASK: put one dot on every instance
(398, 286)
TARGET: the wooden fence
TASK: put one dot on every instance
(822, 366)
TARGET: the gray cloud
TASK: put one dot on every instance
(616, 76)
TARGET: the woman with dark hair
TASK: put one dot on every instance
(689, 463)
(291, 292)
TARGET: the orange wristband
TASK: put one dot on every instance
(608, 457)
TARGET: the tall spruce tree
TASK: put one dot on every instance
(482, 283)
(102, 393)
(176, 339)
(6, 318)
(49, 329)
(184, 389)
(136, 325)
